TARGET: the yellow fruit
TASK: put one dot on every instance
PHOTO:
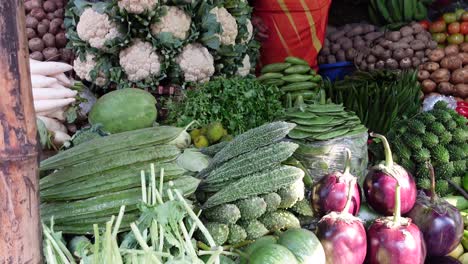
(195, 133)
(203, 131)
(457, 252)
(215, 132)
(201, 142)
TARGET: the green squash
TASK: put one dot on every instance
(304, 245)
(124, 110)
(260, 242)
(272, 254)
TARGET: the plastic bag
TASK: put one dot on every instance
(430, 101)
(323, 157)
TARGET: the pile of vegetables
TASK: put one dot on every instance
(246, 190)
(239, 104)
(123, 44)
(439, 136)
(293, 76)
(209, 135)
(446, 72)
(404, 49)
(451, 28)
(88, 183)
(344, 43)
(378, 98)
(46, 31)
(397, 12)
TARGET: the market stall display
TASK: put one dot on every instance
(396, 12)
(451, 28)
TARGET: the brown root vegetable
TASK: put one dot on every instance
(422, 37)
(380, 65)
(415, 62)
(321, 59)
(400, 45)
(55, 25)
(399, 54)
(445, 88)
(419, 54)
(451, 50)
(406, 31)
(385, 43)
(437, 55)
(30, 5)
(409, 53)
(440, 75)
(391, 64)
(336, 35)
(359, 43)
(393, 36)
(36, 44)
(31, 22)
(358, 30)
(371, 67)
(428, 86)
(37, 55)
(325, 51)
(42, 29)
(464, 47)
(371, 59)
(460, 76)
(351, 54)
(49, 40)
(417, 28)
(335, 48)
(373, 36)
(340, 56)
(423, 75)
(331, 59)
(50, 16)
(51, 54)
(377, 51)
(66, 55)
(452, 62)
(59, 3)
(407, 39)
(464, 57)
(387, 54)
(49, 6)
(431, 66)
(363, 65)
(59, 13)
(347, 44)
(417, 45)
(432, 45)
(405, 63)
(342, 40)
(38, 13)
(461, 90)
(46, 22)
(31, 33)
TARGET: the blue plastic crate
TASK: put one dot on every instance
(336, 71)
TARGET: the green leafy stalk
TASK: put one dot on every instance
(387, 149)
(347, 162)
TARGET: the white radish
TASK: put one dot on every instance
(31, 61)
(63, 79)
(39, 81)
(58, 85)
(60, 138)
(52, 124)
(49, 68)
(51, 104)
(58, 114)
(53, 93)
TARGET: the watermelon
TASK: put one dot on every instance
(272, 254)
(304, 245)
(124, 110)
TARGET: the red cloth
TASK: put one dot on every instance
(295, 28)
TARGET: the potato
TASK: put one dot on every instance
(464, 57)
(445, 88)
(66, 55)
(391, 64)
(49, 6)
(55, 25)
(336, 35)
(437, 55)
(398, 45)
(342, 40)
(409, 53)
(440, 75)
(371, 58)
(31, 22)
(417, 45)
(417, 28)
(51, 54)
(431, 66)
(419, 54)
(407, 39)
(405, 63)
(399, 54)
(347, 44)
(371, 67)
(460, 76)
(377, 50)
(432, 45)
(385, 43)
(351, 54)
(59, 3)
(428, 86)
(461, 90)
(36, 44)
(335, 48)
(393, 36)
(380, 65)
(406, 31)
(452, 62)
(325, 51)
(59, 13)
(331, 59)
(373, 36)
(423, 75)
(30, 5)
(422, 37)
(387, 54)
(363, 65)
(340, 56)
(415, 62)
(37, 55)
(42, 29)
(451, 50)
(464, 47)
(49, 40)
(50, 16)
(38, 13)
(31, 33)
(358, 30)
(46, 22)
(359, 57)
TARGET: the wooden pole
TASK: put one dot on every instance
(20, 231)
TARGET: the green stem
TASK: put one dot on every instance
(350, 195)
(388, 151)
(323, 97)
(347, 162)
(397, 209)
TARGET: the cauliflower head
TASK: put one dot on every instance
(175, 21)
(244, 70)
(139, 61)
(228, 25)
(249, 30)
(137, 6)
(83, 69)
(96, 28)
(196, 63)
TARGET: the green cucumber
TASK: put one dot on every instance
(270, 76)
(298, 134)
(306, 94)
(296, 61)
(274, 82)
(275, 67)
(298, 86)
(323, 120)
(297, 69)
(293, 78)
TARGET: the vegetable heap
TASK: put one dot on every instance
(451, 28)
(439, 136)
(238, 104)
(139, 44)
(210, 135)
(397, 12)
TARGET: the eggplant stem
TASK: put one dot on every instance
(347, 162)
(397, 209)
(432, 175)
(458, 188)
(388, 151)
(350, 195)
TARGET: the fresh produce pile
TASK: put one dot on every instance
(239, 104)
(293, 76)
(344, 43)
(91, 181)
(439, 136)
(391, 94)
(403, 49)
(125, 44)
(397, 12)
(446, 72)
(210, 135)
(46, 31)
(451, 28)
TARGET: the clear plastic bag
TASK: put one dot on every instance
(430, 101)
(323, 157)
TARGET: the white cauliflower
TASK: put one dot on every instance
(139, 61)
(196, 63)
(83, 69)
(249, 30)
(137, 6)
(96, 28)
(176, 21)
(228, 25)
(244, 70)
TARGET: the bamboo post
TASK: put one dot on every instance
(20, 232)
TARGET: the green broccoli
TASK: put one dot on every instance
(225, 214)
(251, 208)
(303, 208)
(440, 154)
(237, 234)
(292, 194)
(219, 232)
(280, 220)
(254, 229)
(273, 200)
(430, 140)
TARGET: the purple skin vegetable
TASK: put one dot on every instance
(329, 194)
(380, 182)
(440, 222)
(343, 235)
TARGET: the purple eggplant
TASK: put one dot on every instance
(440, 222)
(380, 182)
(395, 240)
(442, 260)
(329, 194)
(343, 235)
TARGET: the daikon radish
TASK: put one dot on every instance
(53, 93)
(50, 104)
(58, 114)
(31, 61)
(39, 81)
(63, 79)
(50, 68)
(60, 138)
(52, 124)
(58, 85)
